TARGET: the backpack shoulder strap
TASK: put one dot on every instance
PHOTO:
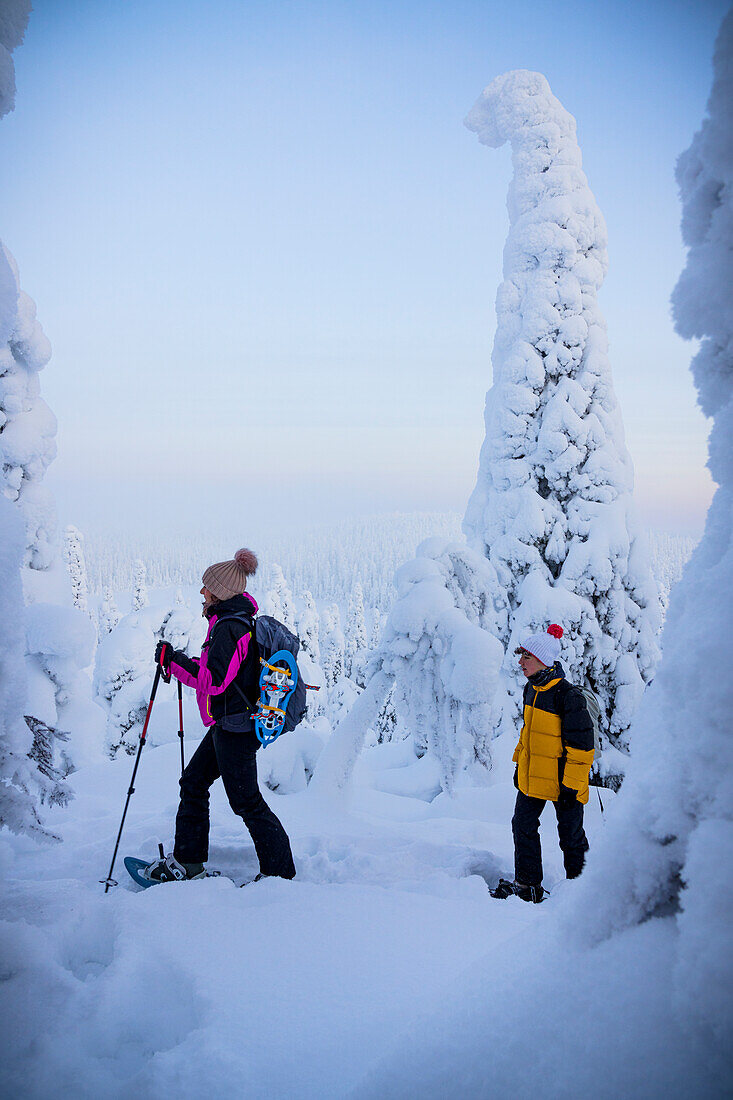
(250, 622)
(248, 619)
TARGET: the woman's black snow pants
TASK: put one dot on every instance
(233, 757)
(526, 830)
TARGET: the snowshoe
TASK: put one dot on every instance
(258, 878)
(165, 869)
(278, 680)
(505, 889)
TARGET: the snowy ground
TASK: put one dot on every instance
(281, 989)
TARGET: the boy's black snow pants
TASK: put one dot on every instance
(526, 830)
(233, 757)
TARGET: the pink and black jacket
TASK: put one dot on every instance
(229, 660)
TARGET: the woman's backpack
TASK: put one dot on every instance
(271, 636)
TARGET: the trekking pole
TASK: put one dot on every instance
(180, 723)
(109, 881)
(600, 803)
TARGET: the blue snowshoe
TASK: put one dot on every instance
(165, 869)
(278, 680)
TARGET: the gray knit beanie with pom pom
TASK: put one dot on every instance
(229, 578)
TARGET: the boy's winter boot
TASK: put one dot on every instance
(258, 878)
(168, 869)
(505, 889)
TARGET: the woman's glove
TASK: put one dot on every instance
(163, 655)
(515, 780)
(567, 795)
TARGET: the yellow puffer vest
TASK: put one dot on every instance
(539, 749)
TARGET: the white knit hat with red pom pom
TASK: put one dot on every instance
(229, 578)
(545, 647)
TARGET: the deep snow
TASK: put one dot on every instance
(279, 989)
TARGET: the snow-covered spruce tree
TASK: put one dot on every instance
(375, 636)
(552, 507)
(440, 648)
(140, 588)
(309, 628)
(76, 565)
(440, 656)
(282, 598)
(109, 616)
(23, 786)
(355, 636)
(123, 672)
(309, 657)
(666, 843)
(183, 627)
(333, 645)
(385, 726)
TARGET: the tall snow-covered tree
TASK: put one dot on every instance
(552, 507)
(59, 639)
(140, 589)
(76, 565)
(664, 849)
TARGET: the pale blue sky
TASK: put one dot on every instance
(265, 248)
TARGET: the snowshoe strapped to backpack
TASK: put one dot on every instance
(272, 637)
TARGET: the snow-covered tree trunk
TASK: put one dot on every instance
(665, 848)
(76, 565)
(552, 507)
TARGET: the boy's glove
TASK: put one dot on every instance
(163, 655)
(567, 795)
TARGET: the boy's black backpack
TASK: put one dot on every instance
(271, 635)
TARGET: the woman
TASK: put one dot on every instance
(226, 679)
